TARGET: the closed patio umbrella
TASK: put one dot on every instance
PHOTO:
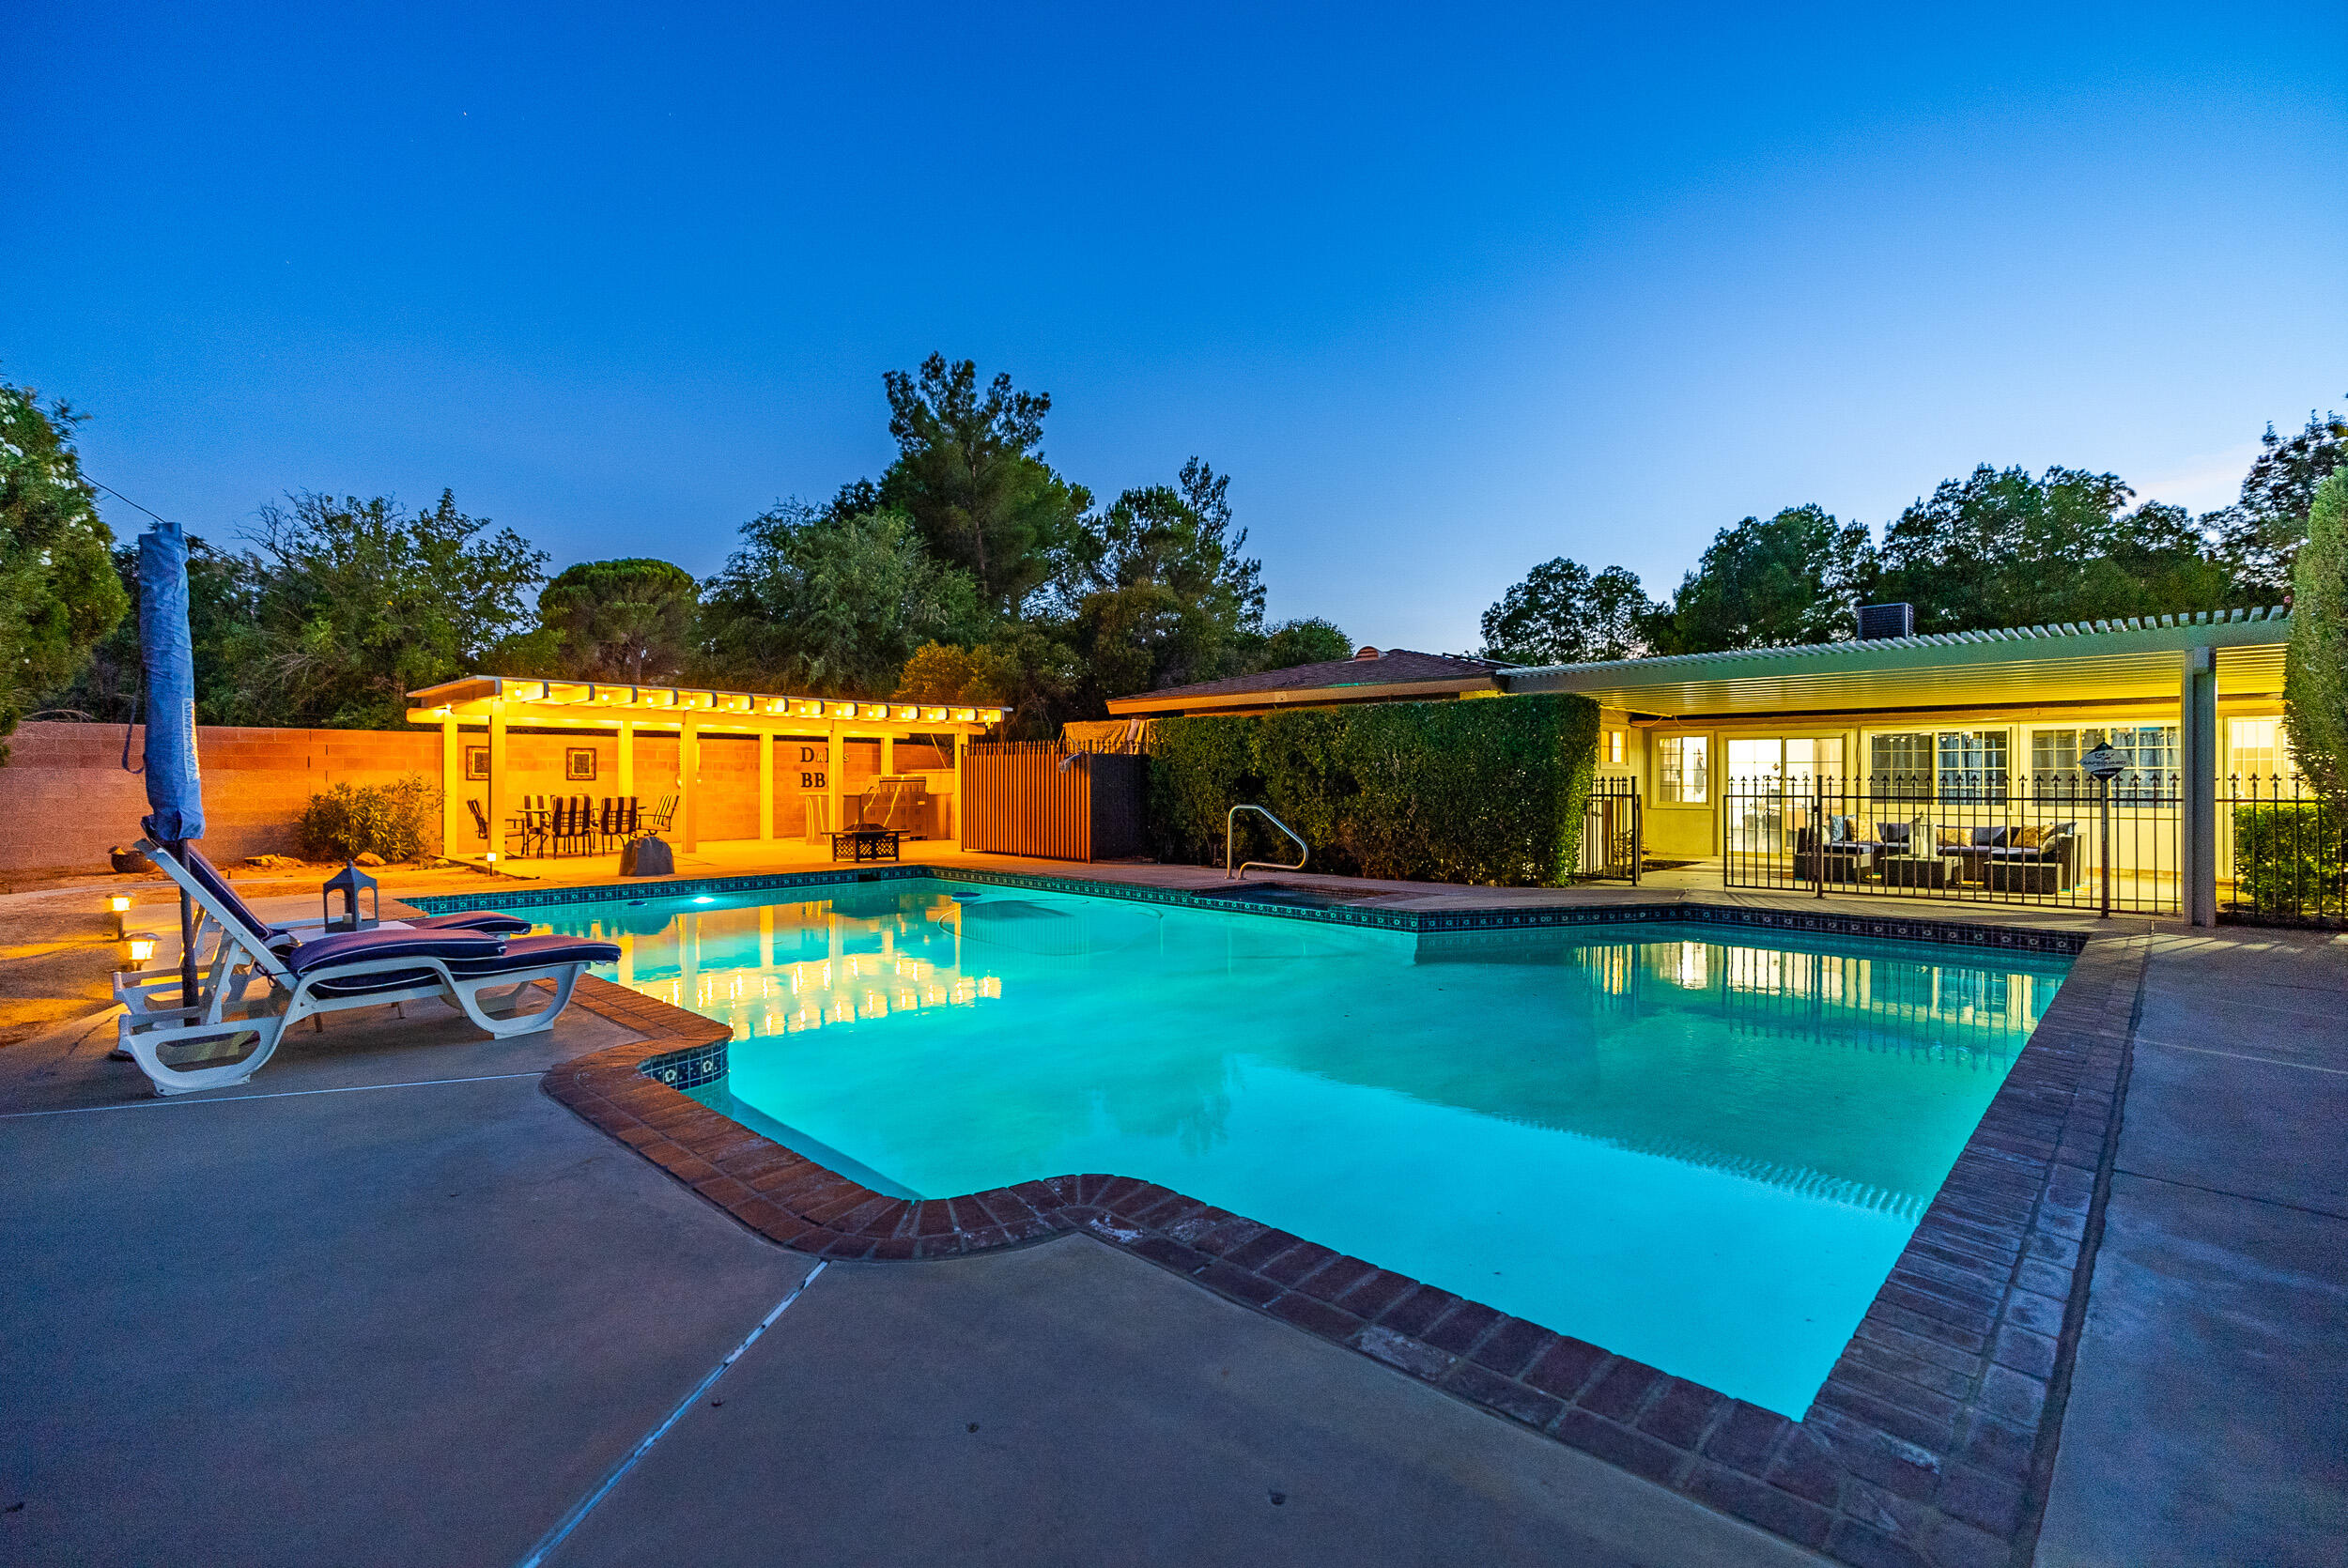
(174, 786)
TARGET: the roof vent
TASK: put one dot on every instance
(1882, 620)
(1366, 651)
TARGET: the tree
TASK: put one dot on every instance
(621, 620)
(59, 593)
(358, 603)
(1030, 668)
(1793, 579)
(939, 672)
(830, 604)
(2001, 549)
(2315, 666)
(1563, 613)
(1162, 595)
(970, 474)
(2258, 537)
(1309, 641)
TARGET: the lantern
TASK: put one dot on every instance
(350, 881)
(119, 906)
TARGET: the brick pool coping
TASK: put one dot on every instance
(1932, 1442)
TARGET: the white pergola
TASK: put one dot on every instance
(497, 703)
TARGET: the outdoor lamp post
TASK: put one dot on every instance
(2103, 764)
(350, 881)
(119, 905)
(138, 946)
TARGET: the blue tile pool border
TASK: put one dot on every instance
(1932, 1442)
(1826, 922)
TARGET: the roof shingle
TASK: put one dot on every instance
(1394, 667)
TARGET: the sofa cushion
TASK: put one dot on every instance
(1892, 836)
(1989, 838)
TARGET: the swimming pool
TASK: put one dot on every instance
(1697, 1146)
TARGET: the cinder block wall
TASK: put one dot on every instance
(65, 798)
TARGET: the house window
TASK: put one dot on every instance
(2150, 749)
(1942, 764)
(1973, 764)
(1900, 764)
(1614, 747)
(1797, 760)
(1766, 777)
(1685, 776)
(2257, 754)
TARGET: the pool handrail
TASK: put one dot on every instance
(1230, 824)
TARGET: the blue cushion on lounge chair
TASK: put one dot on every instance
(537, 952)
(205, 876)
(471, 920)
(368, 985)
(529, 953)
(361, 947)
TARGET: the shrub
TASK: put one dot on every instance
(1488, 792)
(2292, 857)
(1199, 769)
(394, 819)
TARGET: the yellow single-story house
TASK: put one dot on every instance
(1808, 763)
(1975, 720)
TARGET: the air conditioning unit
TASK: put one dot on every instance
(1882, 620)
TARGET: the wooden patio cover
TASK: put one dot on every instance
(497, 703)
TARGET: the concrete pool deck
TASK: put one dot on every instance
(390, 1303)
(277, 1377)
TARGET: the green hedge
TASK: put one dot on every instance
(2292, 857)
(1490, 790)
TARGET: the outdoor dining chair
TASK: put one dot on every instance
(658, 821)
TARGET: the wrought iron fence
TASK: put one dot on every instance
(2048, 838)
(1611, 832)
(2283, 857)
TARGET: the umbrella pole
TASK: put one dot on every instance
(187, 934)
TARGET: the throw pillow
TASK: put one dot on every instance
(2027, 837)
(1957, 838)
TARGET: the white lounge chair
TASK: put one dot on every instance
(394, 962)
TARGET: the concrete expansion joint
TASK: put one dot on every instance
(563, 1527)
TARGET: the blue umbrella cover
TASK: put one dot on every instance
(175, 784)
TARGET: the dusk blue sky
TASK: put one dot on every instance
(1446, 292)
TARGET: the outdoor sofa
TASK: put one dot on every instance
(2008, 857)
(458, 959)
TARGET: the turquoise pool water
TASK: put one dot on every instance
(1700, 1148)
